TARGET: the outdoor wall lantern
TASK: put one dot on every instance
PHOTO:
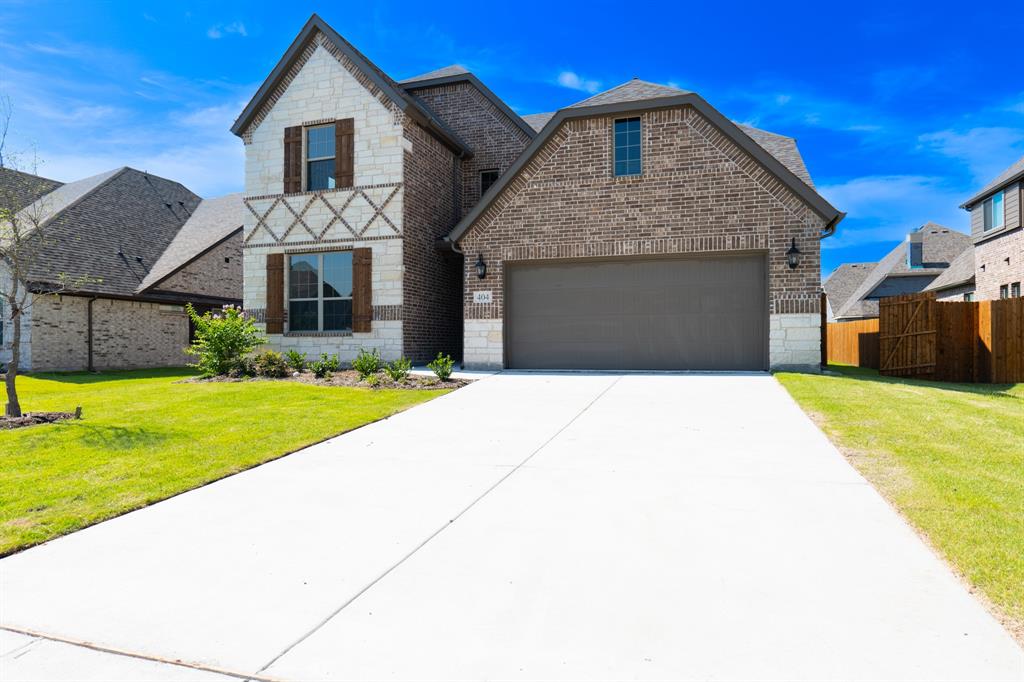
(792, 255)
(481, 266)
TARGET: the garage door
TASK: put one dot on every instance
(699, 313)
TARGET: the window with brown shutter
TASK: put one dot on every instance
(344, 170)
(275, 293)
(362, 294)
(293, 159)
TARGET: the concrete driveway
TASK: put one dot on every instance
(528, 526)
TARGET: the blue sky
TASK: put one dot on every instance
(901, 109)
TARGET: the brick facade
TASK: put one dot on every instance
(216, 273)
(998, 261)
(699, 192)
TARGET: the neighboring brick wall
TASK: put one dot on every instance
(432, 281)
(991, 269)
(126, 334)
(216, 273)
(699, 193)
(496, 141)
(955, 294)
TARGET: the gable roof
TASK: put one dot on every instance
(1010, 175)
(959, 273)
(538, 121)
(111, 229)
(843, 281)
(653, 98)
(19, 189)
(213, 221)
(940, 247)
(43, 209)
(455, 74)
(403, 100)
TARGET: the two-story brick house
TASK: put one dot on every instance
(639, 228)
(997, 228)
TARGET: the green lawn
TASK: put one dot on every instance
(144, 437)
(950, 457)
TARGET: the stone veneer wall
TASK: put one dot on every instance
(1003, 261)
(216, 273)
(699, 193)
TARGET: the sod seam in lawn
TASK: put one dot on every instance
(950, 457)
(146, 436)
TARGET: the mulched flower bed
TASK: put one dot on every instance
(348, 377)
(34, 418)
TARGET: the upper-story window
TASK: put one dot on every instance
(320, 153)
(488, 178)
(627, 147)
(320, 292)
(994, 212)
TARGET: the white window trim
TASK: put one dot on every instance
(320, 298)
(307, 159)
(989, 206)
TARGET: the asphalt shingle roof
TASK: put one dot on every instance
(635, 90)
(18, 189)
(959, 272)
(843, 281)
(443, 72)
(212, 222)
(43, 209)
(1006, 177)
(538, 121)
(782, 148)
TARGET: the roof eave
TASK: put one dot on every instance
(808, 194)
(985, 194)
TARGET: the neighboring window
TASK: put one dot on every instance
(1015, 290)
(994, 213)
(488, 178)
(969, 297)
(320, 292)
(627, 147)
(1004, 291)
(320, 157)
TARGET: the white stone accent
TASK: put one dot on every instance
(794, 341)
(25, 363)
(483, 344)
(385, 336)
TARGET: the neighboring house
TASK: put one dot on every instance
(956, 283)
(997, 212)
(918, 262)
(126, 251)
(636, 229)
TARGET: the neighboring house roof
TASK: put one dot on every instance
(843, 281)
(940, 247)
(111, 230)
(43, 209)
(538, 121)
(455, 74)
(959, 273)
(1008, 176)
(213, 221)
(19, 189)
(394, 92)
(636, 96)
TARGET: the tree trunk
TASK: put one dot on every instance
(13, 405)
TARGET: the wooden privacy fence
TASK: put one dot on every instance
(853, 343)
(979, 341)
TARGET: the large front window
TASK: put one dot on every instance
(627, 147)
(320, 154)
(994, 213)
(320, 292)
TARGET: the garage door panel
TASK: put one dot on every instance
(680, 313)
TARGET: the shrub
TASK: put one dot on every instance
(366, 363)
(222, 340)
(325, 366)
(270, 364)
(442, 366)
(373, 380)
(399, 369)
(295, 360)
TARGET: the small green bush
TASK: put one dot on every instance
(296, 360)
(442, 366)
(270, 364)
(222, 340)
(325, 366)
(399, 369)
(366, 363)
(373, 380)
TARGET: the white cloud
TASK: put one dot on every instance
(986, 151)
(220, 30)
(571, 80)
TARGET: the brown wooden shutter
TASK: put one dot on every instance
(293, 159)
(362, 290)
(344, 152)
(275, 293)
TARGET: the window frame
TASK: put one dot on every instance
(969, 297)
(639, 146)
(497, 174)
(320, 298)
(988, 212)
(1014, 289)
(307, 159)
(1004, 291)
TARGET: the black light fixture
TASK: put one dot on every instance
(481, 266)
(793, 255)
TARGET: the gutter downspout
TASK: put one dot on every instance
(830, 229)
(89, 331)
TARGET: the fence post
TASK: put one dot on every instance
(824, 330)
